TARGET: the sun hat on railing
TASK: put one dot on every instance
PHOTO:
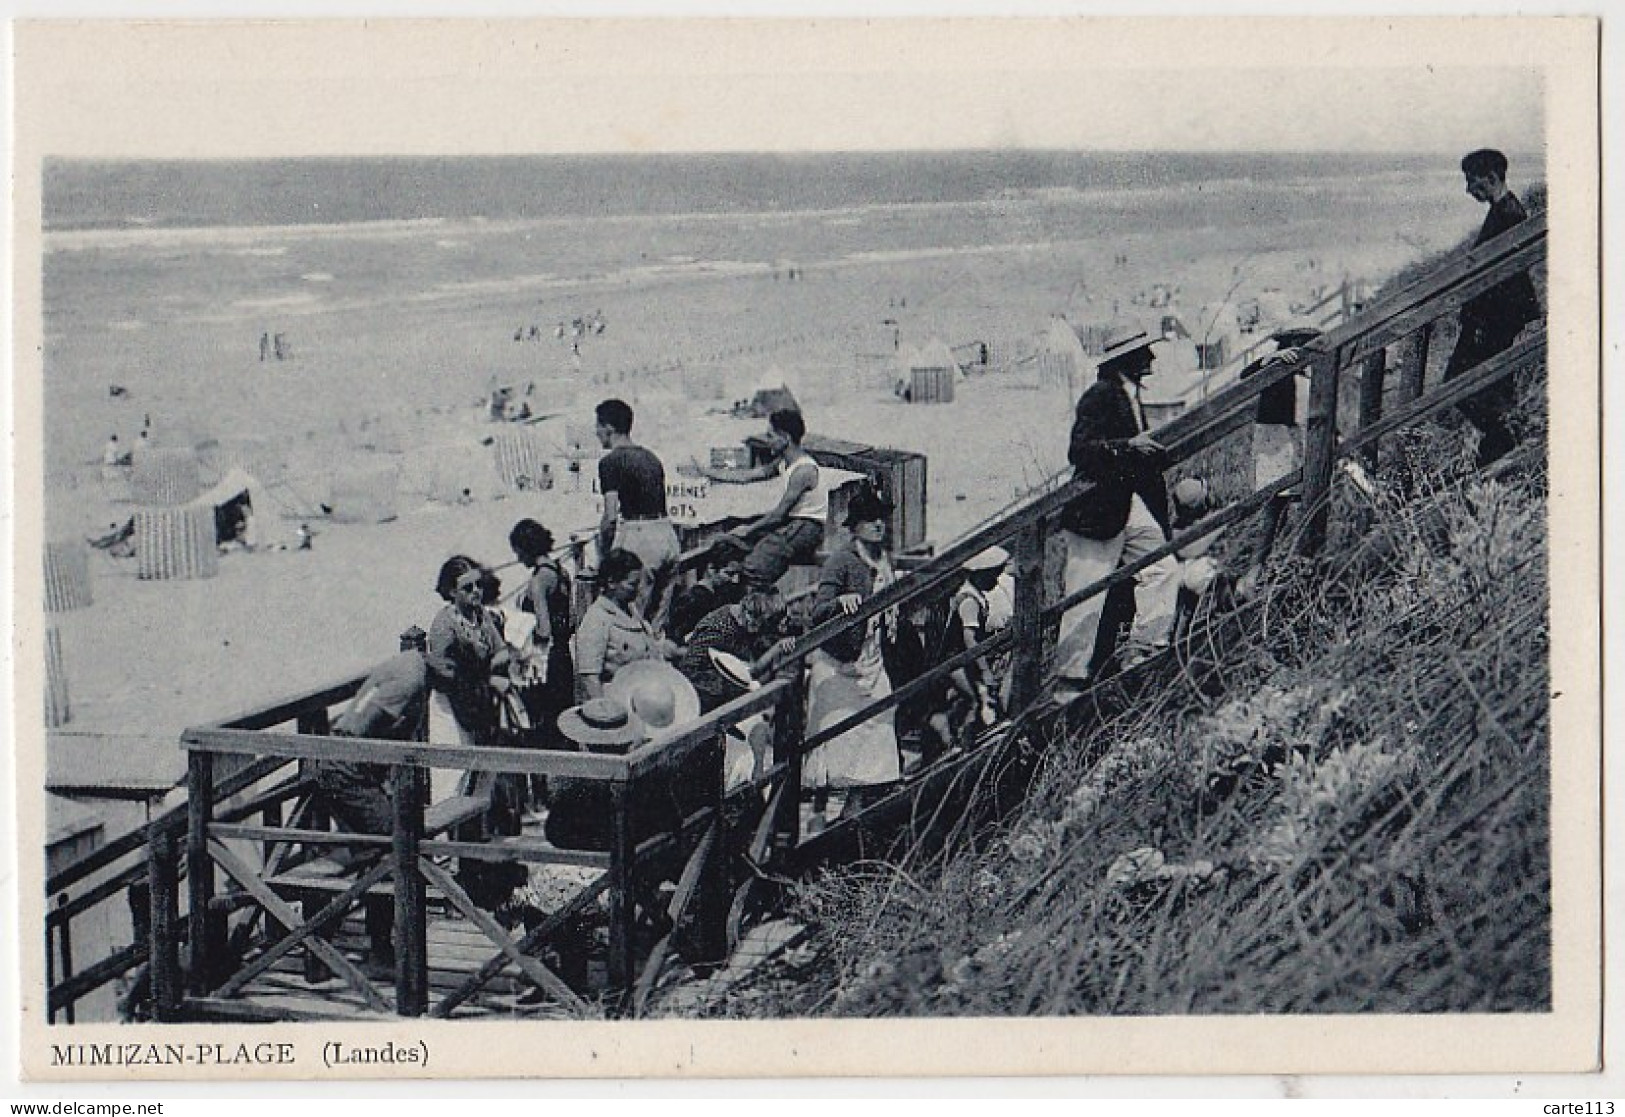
(602, 725)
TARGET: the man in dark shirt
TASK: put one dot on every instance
(1492, 320)
(633, 484)
(1277, 434)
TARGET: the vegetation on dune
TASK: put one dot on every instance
(1345, 812)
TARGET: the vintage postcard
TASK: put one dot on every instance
(806, 547)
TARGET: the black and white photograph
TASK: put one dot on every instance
(623, 529)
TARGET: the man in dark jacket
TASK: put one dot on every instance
(1125, 515)
(1492, 320)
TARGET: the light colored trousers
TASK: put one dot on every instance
(1156, 589)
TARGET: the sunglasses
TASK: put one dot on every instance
(468, 583)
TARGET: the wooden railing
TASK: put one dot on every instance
(738, 837)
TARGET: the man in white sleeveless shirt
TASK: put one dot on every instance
(793, 528)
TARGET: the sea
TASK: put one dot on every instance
(81, 194)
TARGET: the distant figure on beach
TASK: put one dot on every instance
(114, 455)
(633, 482)
(1492, 320)
(281, 348)
(265, 346)
(788, 533)
(304, 535)
(1277, 434)
(1125, 515)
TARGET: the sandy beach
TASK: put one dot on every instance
(397, 329)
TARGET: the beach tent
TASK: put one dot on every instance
(240, 497)
(773, 395)
(935, 354)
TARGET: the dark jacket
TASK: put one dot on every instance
(843, 572)
(1101, 430)
(1510, 305)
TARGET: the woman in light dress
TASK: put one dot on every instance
(849, 673)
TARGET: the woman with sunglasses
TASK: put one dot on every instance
(466, 649)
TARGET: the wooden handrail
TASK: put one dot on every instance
(419, 754)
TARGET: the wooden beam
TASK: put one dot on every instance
(280, 910)
(357, 750)
(1319, 445)
(529, 966)
(411, 905)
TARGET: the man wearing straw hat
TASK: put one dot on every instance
(1125, 515)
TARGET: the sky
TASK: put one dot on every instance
(480, 88)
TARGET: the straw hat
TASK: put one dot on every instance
(658, 695)
(601, 725)
(990, 559)
(1298, 329)
(1125, 338)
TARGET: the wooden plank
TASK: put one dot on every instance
(1027, 624)
(163, 864)
(283, 913)
(532, 851)
(173, 820)
(64, 993)
(411, 909)
(1320, 442)
(1373, 374)
(275, 1011)
(622, 866)
(1415, 371)
(356, 750)
(206, 928)
(246, 832)
(297, 935)
(530, 966)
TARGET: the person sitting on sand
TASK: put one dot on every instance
(790, 532)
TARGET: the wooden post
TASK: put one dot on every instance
(163, 952)
(315, 723)
(711, 937)
(1320, 444)
(622, 867)
(789, 730)
(1415, 372)
(50, 967)
(65, 944)
(1373, 372)
(206, 928)
(1027, 661)
(411, 906)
